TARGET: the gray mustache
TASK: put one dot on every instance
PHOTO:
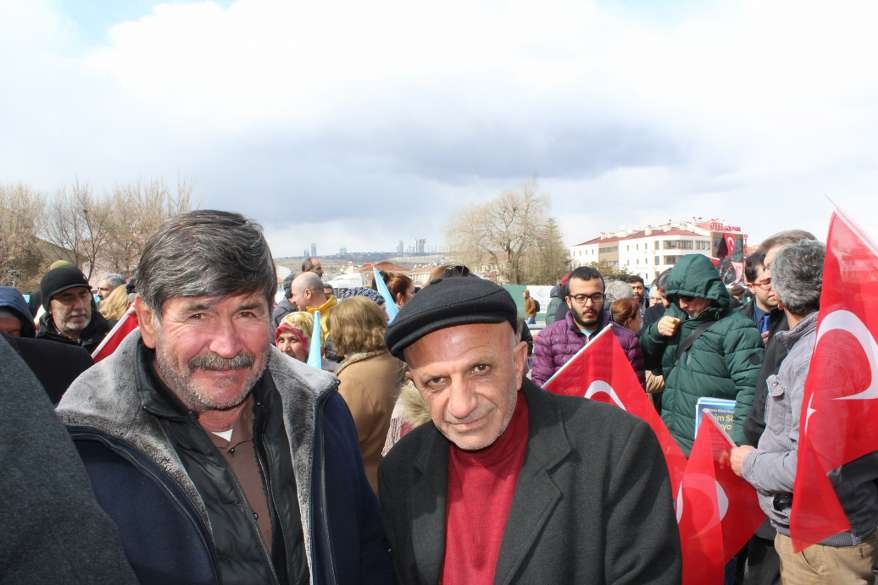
(212, 361)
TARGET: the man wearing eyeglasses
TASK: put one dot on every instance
(763, 309)
(588, 315)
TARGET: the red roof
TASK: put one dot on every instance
(641, 234)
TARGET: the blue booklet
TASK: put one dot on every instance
(722, 410)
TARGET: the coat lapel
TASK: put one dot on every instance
(427, 505)
(536, 495)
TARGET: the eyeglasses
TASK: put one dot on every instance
(595, 298)
(766, 284)
(685, 298)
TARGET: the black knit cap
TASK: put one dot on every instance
(59, 280)
(448, 302)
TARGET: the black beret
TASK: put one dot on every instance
(448, 302)
(60, 279)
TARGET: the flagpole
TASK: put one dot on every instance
(112, 331)
(572, 359)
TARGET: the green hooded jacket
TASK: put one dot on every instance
(723, 362)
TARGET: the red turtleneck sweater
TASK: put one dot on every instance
(481, 485)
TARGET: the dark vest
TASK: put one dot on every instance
(241, 556)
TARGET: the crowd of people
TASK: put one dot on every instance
(209, 448)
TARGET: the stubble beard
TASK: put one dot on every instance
(191, 395)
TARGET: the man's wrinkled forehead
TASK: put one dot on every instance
(474, 340)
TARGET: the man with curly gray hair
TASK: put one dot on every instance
(848, 557)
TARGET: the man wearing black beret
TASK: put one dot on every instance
(510, 484)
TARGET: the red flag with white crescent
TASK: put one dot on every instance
(717, 511)
(840, 402)
(120, 331)
(601, 371)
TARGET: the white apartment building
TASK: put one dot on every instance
(650, 250)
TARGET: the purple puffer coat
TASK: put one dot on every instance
(558, 342)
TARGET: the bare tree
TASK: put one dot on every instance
(136, 211)
(80, 223)
(21, 212)
(508, 233)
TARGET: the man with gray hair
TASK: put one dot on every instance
(797, 278)
(108, 284)
(220, 459)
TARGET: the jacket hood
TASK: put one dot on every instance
(11, 300)
(695, 276)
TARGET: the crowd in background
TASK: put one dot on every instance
(686, 334)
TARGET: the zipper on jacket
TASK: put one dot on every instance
(167, 484)
(244, 505)
(272, 501)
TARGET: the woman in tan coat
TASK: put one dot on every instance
(370, 377)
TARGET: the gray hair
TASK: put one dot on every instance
(113, 280)
(205, 253)
(616, 289)
(797, 276)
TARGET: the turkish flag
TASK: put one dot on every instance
(717, 511)
(601, 371)
(839, 406)
(120, 331)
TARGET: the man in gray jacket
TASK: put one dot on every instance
(797, 276)
(221, 459)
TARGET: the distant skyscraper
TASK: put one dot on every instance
(305, 253)
(342, 251)
(400, 248)
(313, 250)
(422, 245)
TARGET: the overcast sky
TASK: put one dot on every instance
(358, 124)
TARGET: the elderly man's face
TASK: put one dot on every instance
(104, 289)
(210, 351)
(71, 311)
(317, 268)
(469, 376)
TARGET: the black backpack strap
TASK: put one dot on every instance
(684, 345)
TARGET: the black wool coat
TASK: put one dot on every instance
(592, 502)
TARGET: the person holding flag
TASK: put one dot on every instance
(846, 557)
(509, 483)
